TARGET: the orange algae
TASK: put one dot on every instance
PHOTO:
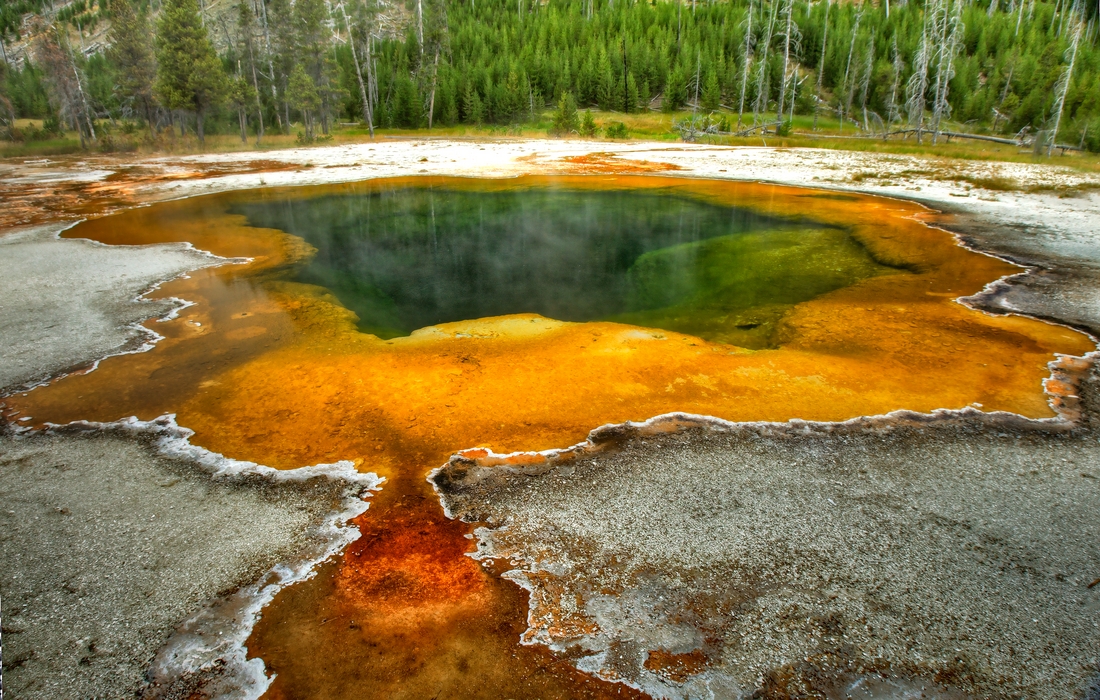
(276, 372)
(676, 667)
(405, 615)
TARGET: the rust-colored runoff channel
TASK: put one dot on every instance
(275, 371)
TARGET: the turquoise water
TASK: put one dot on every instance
(412, 257)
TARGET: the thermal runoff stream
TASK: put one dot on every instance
(394, 322)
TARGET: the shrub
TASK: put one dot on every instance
(588, 124)
(617, 130)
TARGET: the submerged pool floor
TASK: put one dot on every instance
(272, 367)
(404, 258)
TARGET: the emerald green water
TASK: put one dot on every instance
(413, 257)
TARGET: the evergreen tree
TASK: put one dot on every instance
(588, 124)
(632, 96)
(190, 77)
(314, 53)
(302, 96)
(284, 48)
(472, 110)
(565, 118)
(131, 52)
(712, 94)
(243, 97)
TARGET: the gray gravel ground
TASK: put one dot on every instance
(1064, 282)
(801, 556)
(106, 545)
(65, 303)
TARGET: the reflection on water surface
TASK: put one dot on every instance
(405, 258)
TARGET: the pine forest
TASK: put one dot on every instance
(1009, 69)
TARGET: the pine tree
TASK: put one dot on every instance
(565, 118)
(284, 48)
(302, 96)
(131, 51)
(472, 109)
(243, 97)
(712, 94)
(588, 124)
(605, 90)
(315, 55)
(190, 76)
(632, 95)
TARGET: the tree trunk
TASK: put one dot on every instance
(847, 104)
(435, 80)
(147, 103)
(1064, 83)
(761, 104)
(420, 27)
(698, 72)
(359, 73)
(821, 63)
(786, 60)
(256, 87)
(745, 66)
(244, 124)
(85, 110)
(200, 119)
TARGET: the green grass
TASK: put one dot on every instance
(53, 147)
(646, 126)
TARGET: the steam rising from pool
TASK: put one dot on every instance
(409, 257)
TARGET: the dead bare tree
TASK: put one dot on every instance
(821, 62)
(792, 37)
(865, 79)
(917, 85)
(246, 28)
(746, 60)
(950, 37)
(1066, 78)
(64, 84)
(893, 114)
(997, 115)
(847, 103)
(270, 62)
(358, 72)
(760, 104)
(420, 27)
